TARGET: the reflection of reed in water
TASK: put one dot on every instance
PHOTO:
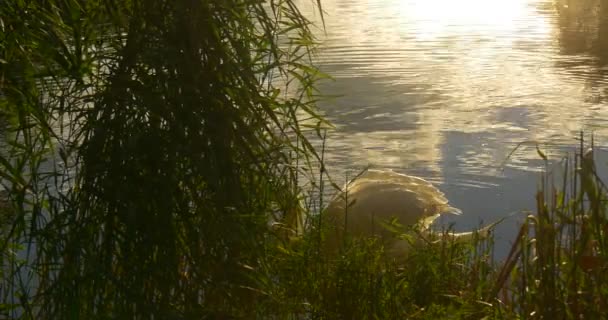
(582, 27)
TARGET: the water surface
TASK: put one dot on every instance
(447, 89)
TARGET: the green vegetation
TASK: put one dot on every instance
(556, 266)
(149, 144)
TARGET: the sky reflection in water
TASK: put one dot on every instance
(446, 89)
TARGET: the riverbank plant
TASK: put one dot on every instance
(155, 153)
(149, 145)
(555, 268)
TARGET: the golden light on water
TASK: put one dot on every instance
(473, 12)
(414, 76)
(434, 18)
(446, 89)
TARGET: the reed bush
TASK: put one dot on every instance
(555, 268)
(149, 145)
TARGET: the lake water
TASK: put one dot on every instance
(446, 89)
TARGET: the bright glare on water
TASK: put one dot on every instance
(446, 89)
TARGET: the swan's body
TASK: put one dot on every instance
(368, 202)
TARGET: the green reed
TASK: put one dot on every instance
(555, 268)
(148, 145)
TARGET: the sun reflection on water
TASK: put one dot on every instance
(445, 89)
(436, 17)
(415, 74)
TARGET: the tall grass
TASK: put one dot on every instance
(149, 146)
(556, 267)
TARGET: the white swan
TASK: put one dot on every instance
(376, 197)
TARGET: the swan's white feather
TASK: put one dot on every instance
(376, 197)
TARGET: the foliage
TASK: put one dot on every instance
(557, 266)
(555, 269)
(148, 145)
